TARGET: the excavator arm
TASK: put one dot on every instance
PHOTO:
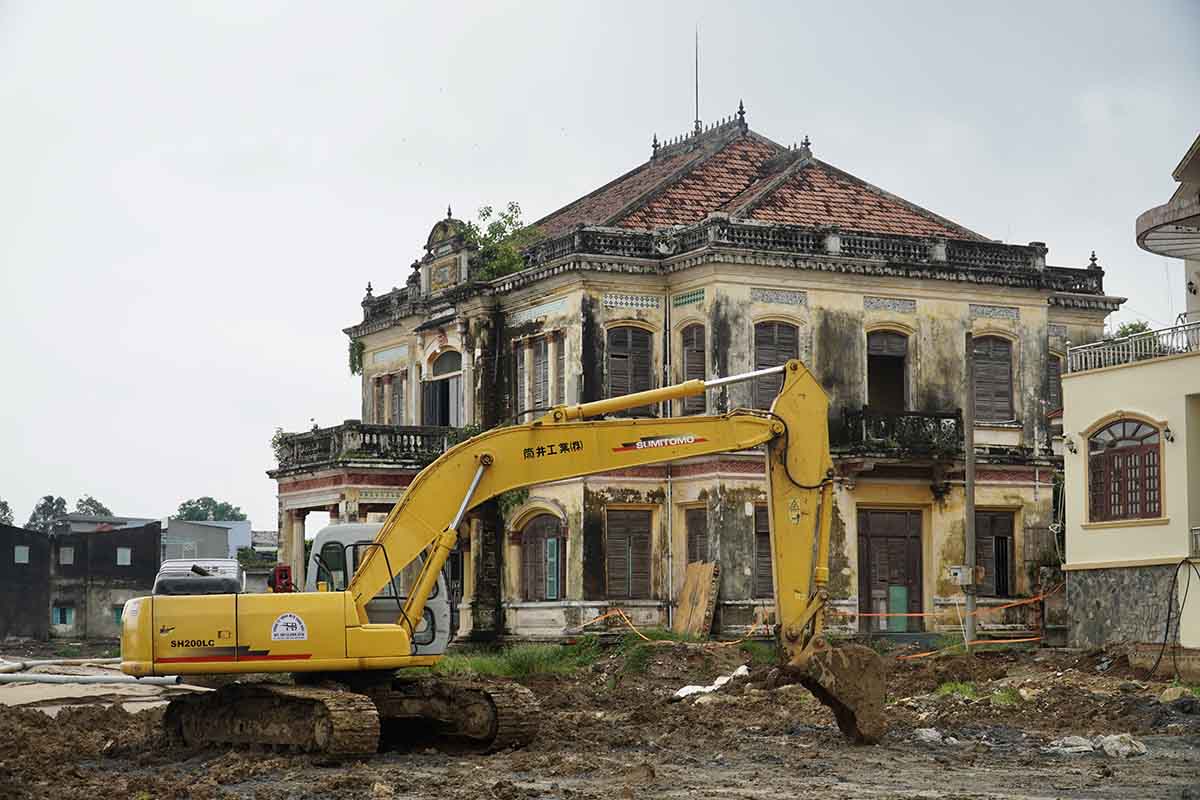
(567, 442)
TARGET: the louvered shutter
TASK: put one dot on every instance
(560, 355)
(616, 555)
(696, 522)
(619, 367)
(398, 381)
(1054, 383)
(541, 374)
(528, 562)
(887, 343)
(519, 382)
(639, 555)
(693, 365)
(763, 583)
(429, 403)
(993, 379)
(985, 550)
(774, 344)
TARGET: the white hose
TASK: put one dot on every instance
(19, 666)
(26, 677)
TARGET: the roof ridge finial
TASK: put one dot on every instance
(654, 145)
(448, 214)
(1092, 262)
(741, 113)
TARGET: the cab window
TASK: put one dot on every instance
(332, 566)
(404, 581)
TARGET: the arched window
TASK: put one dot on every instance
(693, 365)
(774, 344)
(887, 354)
(543, 559)
(993, 379)
(1123, 472)
(628, 363)
(441, 393)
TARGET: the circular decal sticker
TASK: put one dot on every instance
(288, 627)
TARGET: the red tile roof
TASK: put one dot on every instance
(747, 176)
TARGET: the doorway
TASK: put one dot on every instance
(887, 357)
(889, 570)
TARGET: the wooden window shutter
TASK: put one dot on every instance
(541, 374)
(693, 365)
(639, 555)
(378, 410)
(560, 356)
(429, 403)
(774, 344)
(616, 555)
(1054, 383)
(398, 381)
(887, 343)
(696, 522)
(519, 382)
(993, 379)
(528, 560)
(763, 582)
(985, 552)
(619, 367)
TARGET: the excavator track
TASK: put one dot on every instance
(472, 715)
(308, 719)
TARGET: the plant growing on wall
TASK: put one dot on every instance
(356, 357)
(279, 445)
(500, 236)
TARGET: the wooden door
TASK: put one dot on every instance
(889, 559)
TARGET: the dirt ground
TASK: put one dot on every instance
(609, 732)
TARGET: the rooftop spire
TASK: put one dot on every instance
(697, 123)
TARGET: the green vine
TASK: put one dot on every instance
(279, 444)
(356, 357)
(510, 501)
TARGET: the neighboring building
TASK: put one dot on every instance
(266, 543)
(92, 574)
(724, 252)
(1132, 426)
(24, 583)
(204, 538)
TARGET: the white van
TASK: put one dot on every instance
(336, 552)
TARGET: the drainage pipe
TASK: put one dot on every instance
(18, 666)
(169, 680)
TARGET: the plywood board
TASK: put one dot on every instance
(697, 599)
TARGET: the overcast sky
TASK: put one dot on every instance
(193, 199)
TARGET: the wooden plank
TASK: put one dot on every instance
(697, 599)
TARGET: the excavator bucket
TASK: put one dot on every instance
(850, 680)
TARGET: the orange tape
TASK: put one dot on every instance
(977, 611)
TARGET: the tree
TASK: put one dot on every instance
(6, 517)
(1132, 328)
(500, 237)
(206, 508)
(45, 512)
(90, 505)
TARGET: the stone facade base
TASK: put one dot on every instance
(1181, 662)
(1119, 605)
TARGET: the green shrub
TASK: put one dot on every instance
(1008, 696)
(762, 654)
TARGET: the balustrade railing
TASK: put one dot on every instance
(408, 445)
(1138, 347)
(903, 432)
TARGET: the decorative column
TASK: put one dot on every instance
(295, 538)
(468, 374)
(386, 417)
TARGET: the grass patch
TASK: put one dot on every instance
(1008, 696)
(637, 659)
(956, 689)
(762, 654)
(68, 651)
(522, 660)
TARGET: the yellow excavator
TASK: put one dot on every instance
(348, 672)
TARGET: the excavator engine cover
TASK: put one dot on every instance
(850, 680)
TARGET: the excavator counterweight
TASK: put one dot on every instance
(344, 662)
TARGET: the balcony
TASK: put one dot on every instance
(1173, 341)
(356, 444)
(901, 434)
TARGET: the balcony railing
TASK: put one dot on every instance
(1138, 347)
(353, 441)
(902, 433)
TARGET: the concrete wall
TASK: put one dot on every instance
(94, 584)
(1164, 392)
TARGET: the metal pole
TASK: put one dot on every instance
(969, 446)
